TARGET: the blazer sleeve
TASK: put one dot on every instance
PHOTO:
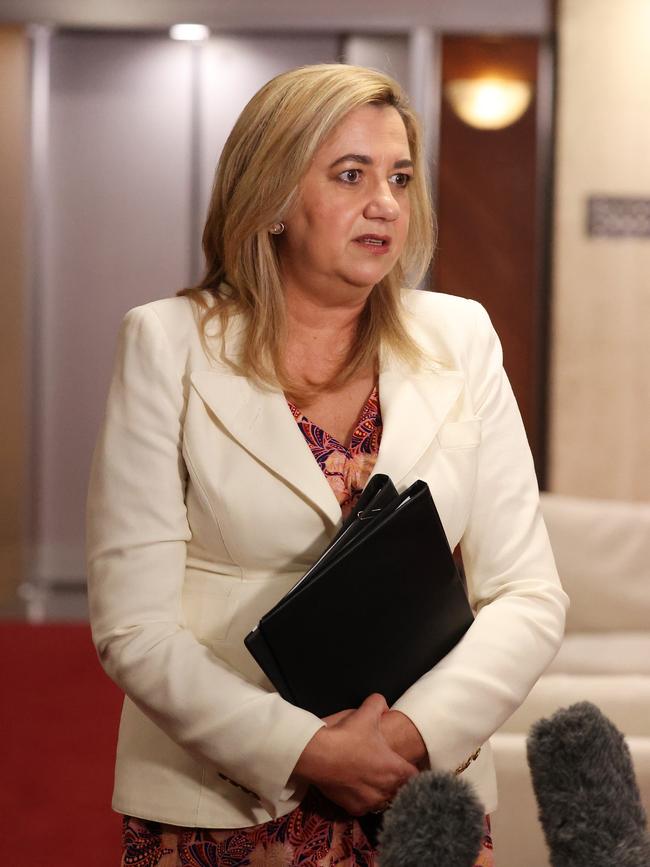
(512, 579)
(137, 530)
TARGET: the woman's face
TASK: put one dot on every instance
(349, 224)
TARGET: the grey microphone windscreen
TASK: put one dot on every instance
(435, 820)
(589, 803)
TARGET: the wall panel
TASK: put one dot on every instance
(117, 227)
(14, 71)
(600, 396)
(114, 237)
(488, 246)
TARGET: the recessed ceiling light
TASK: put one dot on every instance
(189, 32)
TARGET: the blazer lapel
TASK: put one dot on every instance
(413, 407)
(261, 421)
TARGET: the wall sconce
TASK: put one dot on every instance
(489, 102)
(189, 32)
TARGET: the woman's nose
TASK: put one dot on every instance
(382, 204)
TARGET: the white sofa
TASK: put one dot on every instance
(602, 549)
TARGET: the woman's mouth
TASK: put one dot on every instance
(374, 243)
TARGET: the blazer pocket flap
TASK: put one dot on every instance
(460, 434)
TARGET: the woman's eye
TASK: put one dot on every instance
(350, 176)
(401, 179)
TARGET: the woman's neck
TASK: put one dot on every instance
(319, 335)
(316, 322)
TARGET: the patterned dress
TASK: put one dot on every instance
(318, 833)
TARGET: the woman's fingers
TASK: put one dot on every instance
(351, 762)
(354, 803)
(372, 708)
(335, 718)
(358, 768)
(359, 800)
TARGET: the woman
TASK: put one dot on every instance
(243, 420)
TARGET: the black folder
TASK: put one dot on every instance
(381, 606)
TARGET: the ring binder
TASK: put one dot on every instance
(379, 608)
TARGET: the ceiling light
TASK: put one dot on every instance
(489, 102)
(189, 32)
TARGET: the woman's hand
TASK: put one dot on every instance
(351, 762)
(404, 737)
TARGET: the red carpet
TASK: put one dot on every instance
(58, 725)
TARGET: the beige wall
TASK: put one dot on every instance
(600, 378)
(13, 165)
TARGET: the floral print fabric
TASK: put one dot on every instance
(346, 469)
(315, 834)
(318, 833)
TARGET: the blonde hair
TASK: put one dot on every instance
(257, 180)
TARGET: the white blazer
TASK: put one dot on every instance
(206, 505)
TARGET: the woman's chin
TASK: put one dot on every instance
(366, 277)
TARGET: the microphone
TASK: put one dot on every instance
(434, 820)
(589, 803)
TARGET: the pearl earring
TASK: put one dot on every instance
(277, 228)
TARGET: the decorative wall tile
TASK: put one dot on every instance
(618, 217)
